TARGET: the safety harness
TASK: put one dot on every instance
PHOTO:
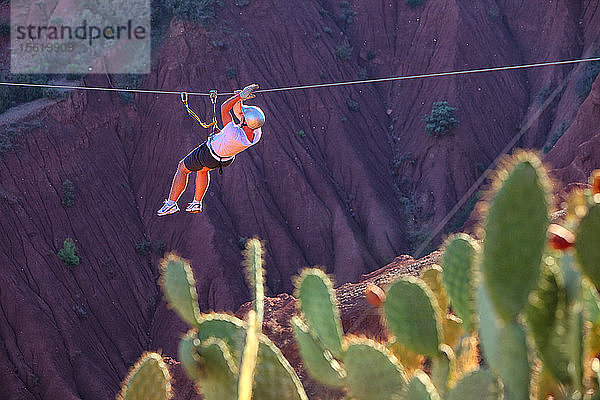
(213, 125)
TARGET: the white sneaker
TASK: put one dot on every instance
(194, 207)
(167, 208)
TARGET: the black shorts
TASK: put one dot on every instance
(200, 157)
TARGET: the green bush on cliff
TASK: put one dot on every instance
(67, 253)
(441, 120)
(414, 3)
(68, 193)
(203, 12)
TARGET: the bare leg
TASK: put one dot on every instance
(202, 181)
(180, 181)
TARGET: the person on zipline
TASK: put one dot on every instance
(218, 151)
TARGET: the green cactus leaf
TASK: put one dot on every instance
(504, 348)
(432, 277)
(319, 307)
(148, 379)
(547, 316)
(458, 264)
(230, 329)
(319, 363)
(420, 387)
(219, 371)
(511, 257)
(588, 250)
(576, 346)
(188, 356)
(412, 314)
(570, 275)
(275, 379)
(441, 368)
(478, 385)
(249, 358)
(373, 371)
(179, 286)
(256, 276)
(591, 302)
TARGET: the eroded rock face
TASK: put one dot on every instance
(329, 198)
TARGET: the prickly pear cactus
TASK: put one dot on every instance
(458, 262)
(366, 362)
(515, 234)
(413, 316)
(319, 307)
(148, 379)
(420, 387)
(587, 244)
(179, 286)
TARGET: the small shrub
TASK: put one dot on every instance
(347, 15)
(370, 55)
(242, 3)
(159, 247)
(414, 3)
(327, 30)
(127, 81)
(493, 12)
(324, 76)
(4, 29)
(441, 120)
(219, 44)
(143, 247)
(301, 133)
(344, 51)
(7, 139)
(242, 240)
(352, 105)
(584, 83)
(344, 119)
(203, 12)
(323, 12)
(231, 73)
(68, 193)
(67, 253)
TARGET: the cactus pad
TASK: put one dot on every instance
(458, 277)
(249, 358)
(274, 378)
(373, 371)
(319, 307)
(148, 379)
(432, 276)
(420, 387)
(504, 348)
(188, 356)
(256, 276)
(547, 318)
(412, 315)
(511, 257)
(587, 244)
(478, 385)
(219, 370)
(318, 362)
(179, 286)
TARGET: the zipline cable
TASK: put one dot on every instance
(319, 85)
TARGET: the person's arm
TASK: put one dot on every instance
(226, 107)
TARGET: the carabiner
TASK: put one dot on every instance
(184, 97)
(213, 96)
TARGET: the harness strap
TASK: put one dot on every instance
(184, 99)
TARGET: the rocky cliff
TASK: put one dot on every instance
(359, 186)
